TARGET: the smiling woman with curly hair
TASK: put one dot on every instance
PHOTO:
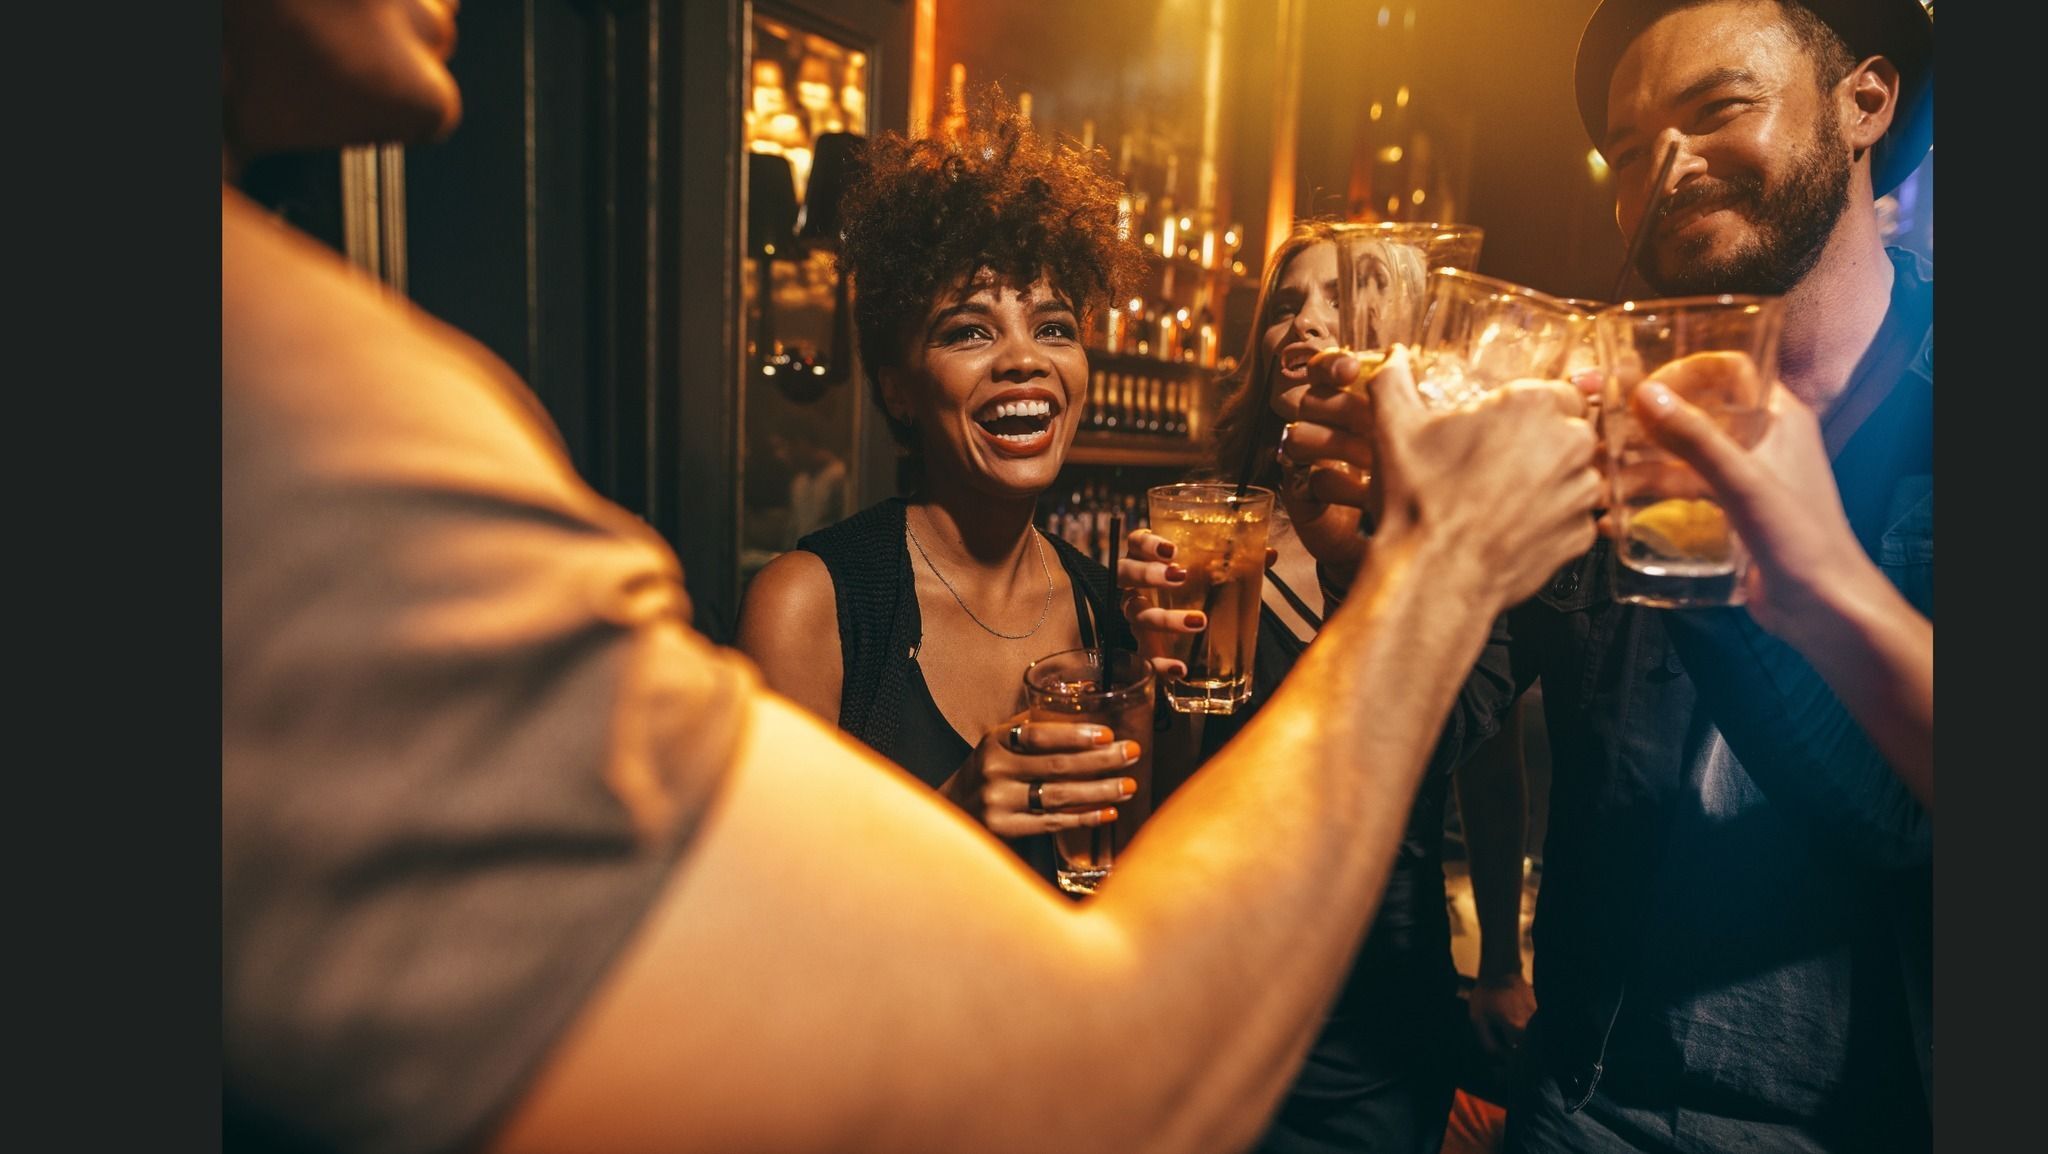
(976, 261)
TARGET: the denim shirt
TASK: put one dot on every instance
(1638, 702)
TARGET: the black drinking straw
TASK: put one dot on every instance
(1244, 484)
(1251, 451)
(1116, 539)
(1643, 226)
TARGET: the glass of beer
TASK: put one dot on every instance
(1674, 548)
(1112, 688)
(1219, 537)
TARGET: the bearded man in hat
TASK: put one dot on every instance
(1733, 936)
(1738, 890)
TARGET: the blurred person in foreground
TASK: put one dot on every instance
(512, 859)
(1734, 934)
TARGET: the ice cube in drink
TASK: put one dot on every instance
(1221, 543)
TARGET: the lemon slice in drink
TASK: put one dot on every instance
(1682, 529)
(1369, 362)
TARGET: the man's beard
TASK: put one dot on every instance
(1791, 226)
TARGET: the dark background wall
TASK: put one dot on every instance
(580, 223)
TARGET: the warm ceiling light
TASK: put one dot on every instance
(1401, 97)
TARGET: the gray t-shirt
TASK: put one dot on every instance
(466, 729)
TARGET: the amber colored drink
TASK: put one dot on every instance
(1220, 539)
(1112, 688)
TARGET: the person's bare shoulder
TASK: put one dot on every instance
(789, 625)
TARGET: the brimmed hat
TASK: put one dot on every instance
(1902, 31)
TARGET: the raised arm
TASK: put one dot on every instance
(1784, 717)
(848, 933)
(1812, 585)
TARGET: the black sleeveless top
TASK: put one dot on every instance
(883, 698)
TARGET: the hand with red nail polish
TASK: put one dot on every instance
(1147, 565)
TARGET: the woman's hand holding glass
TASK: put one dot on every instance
(1028, 777)
(1326, 454)
(1147, 565)
(1525, 446)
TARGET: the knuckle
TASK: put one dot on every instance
(1057, 765)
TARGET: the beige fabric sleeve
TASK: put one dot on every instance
(466, 727)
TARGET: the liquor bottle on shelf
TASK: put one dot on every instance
(1055, 521)
(1102, 515)
(1067, 519)
(1207, 344)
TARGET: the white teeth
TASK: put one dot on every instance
(1030, 408)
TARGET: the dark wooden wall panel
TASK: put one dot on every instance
(466, 201)
(702, 425)
(584, 223)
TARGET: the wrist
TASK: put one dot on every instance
(1454, 570)
(1846, 613)
(1497, 971)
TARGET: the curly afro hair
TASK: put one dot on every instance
(923, 215)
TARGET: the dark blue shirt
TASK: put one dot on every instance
(1735, 915)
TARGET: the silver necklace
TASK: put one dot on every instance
(1036, 538)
